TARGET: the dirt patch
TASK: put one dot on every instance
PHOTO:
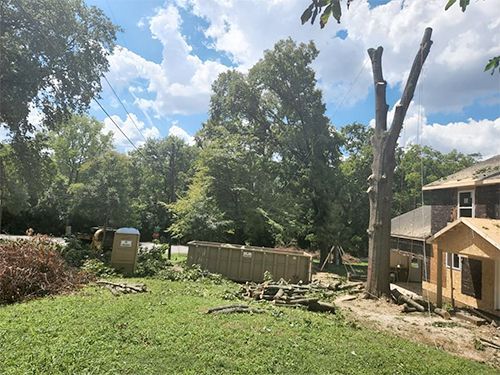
(454, 336)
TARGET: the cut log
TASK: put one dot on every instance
(408, 309)
(470, 318)
(305, 301)
(442, 313)
(350, 285)
(321, 307)
(335, 285)
(480, 314)
(490, 343)
(279, 294)
(347, 297)
(401, 298)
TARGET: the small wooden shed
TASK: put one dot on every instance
(249, 263)
(465, 264)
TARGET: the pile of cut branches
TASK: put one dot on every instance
(298, 295)
(34, 268)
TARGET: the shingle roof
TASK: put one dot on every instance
(483, 173)
(415, 224)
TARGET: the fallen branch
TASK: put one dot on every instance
(489, 343)
(122, 288)
(233, 309)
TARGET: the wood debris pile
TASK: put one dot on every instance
(298, 295)
(122, 288)
(417, 304)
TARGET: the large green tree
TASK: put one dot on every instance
(356, 168)
(52, 56)
(161, 170)
(75, 142)
(270, 156)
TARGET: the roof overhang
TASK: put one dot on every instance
(469, 223)
(463, 184)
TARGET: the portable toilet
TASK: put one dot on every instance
(124, 253)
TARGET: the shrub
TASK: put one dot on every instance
(75, 252)
(151, 262)
(35, 268)
(192, 273)
(98, 268)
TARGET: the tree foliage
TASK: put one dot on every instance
(52, 55)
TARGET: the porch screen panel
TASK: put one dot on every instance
(472, 274)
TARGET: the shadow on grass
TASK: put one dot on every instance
(359, 268)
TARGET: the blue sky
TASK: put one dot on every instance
(171, 51)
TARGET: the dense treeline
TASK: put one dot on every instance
(268, 168)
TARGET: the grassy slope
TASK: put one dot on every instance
(165, 331)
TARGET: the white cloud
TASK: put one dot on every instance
(180, 84)
(470, 136)
(133, 128)
(178, 132)
(452, 78)
(453, 75)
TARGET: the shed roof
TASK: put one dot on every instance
(489, 229)
(415, 224)
(485, 172)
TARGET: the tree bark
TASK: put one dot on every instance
(384, 144)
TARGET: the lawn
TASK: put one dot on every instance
(167, 332)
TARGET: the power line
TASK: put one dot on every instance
(111, 87)
(120, 129)
(124, 108)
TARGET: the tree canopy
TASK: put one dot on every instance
(52, 55)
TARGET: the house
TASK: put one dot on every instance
(464, 265)
(410, 236)
(451, 244)
(459, 229)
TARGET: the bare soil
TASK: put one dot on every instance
(454, 336)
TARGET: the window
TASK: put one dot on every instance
(453, 261)
(466, 203)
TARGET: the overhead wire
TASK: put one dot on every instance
(113, 18)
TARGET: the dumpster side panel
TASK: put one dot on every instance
(246, 263)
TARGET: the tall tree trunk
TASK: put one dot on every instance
(384, 145)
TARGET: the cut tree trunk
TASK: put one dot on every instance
(384, 144)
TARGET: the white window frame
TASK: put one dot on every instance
(452, 266)
(473, 204)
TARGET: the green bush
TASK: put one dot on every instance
(75, 252)
(98, 268)
(192, 273)
(151, 262)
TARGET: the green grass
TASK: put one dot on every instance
(360, 268)
(167, 332)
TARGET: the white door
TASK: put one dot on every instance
(497, 285)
